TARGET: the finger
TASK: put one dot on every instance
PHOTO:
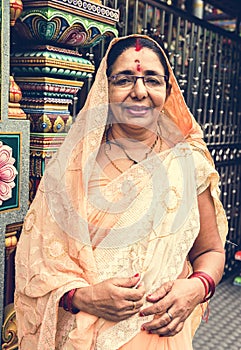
(168, 312)
(160, 292)
(159, 308)
(135, 305)
(140, 285)
(131, 309)
(135, 294)
(128, 282)
(157, 322)
(170, 330)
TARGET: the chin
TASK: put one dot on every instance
(135, 126)
(147, 122)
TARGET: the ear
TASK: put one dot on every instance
(168, 91)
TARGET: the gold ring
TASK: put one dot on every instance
(170, 315)
(134, 305)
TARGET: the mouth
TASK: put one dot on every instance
(137, 110)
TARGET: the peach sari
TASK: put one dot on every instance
(83, 228)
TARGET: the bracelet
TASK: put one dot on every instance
(208, 283)
(66, 302)
(205, 284)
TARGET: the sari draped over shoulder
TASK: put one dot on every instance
(83, 228)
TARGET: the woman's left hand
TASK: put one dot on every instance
(173, 302)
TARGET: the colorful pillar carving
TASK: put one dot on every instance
(47, 71)
(14, 174)
(16, 7)
(50, 70)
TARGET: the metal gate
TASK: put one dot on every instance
(206, 61)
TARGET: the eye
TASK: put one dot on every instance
(153, 80)
(122, 80)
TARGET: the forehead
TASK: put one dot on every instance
(145, 57)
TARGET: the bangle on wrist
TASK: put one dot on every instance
(208, 283)
(66, 302)
(205, 284)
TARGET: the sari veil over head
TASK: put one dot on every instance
(72, 239)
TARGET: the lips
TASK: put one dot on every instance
(137, 110)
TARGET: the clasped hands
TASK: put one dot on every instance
(117, 299)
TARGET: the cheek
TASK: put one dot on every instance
(159, 100)
(116, 112)
(116, 96)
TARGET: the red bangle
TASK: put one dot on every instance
(66, 302)
(209, 286)
(71, 308)
(205, 284)
(63, 302)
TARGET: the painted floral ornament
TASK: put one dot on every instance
(15, 94)
(58, 125)
(8, 173)
(16, 8)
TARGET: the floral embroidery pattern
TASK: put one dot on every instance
(7, 173)
(29, 221)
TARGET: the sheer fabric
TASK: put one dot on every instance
(83, 228)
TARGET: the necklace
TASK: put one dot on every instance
(109, 142)
(124, 150)
(146, 153)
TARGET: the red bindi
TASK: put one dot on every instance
(138, 65)
(138, 45)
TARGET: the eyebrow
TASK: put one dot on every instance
(131, 72)
(127, 71)
(151, 72)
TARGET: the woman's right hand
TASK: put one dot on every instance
(115, 299)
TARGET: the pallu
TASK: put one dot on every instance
(146, 220)
(84, 227)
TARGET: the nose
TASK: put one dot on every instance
(139, 90)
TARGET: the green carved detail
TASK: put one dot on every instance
(51, 54)
(49, 13)
(48, 25)
(53, 71)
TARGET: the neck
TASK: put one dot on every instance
(133, 138)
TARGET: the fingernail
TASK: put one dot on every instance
(137, 275)
(141, 314)
(143, 328)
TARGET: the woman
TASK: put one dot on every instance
(124, 241)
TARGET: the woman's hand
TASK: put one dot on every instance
(173, 302)
(115, 299)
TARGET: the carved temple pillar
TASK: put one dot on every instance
(14, 174)
(51, 68)
(48, 68)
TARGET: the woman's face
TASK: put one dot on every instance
(137, 104)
